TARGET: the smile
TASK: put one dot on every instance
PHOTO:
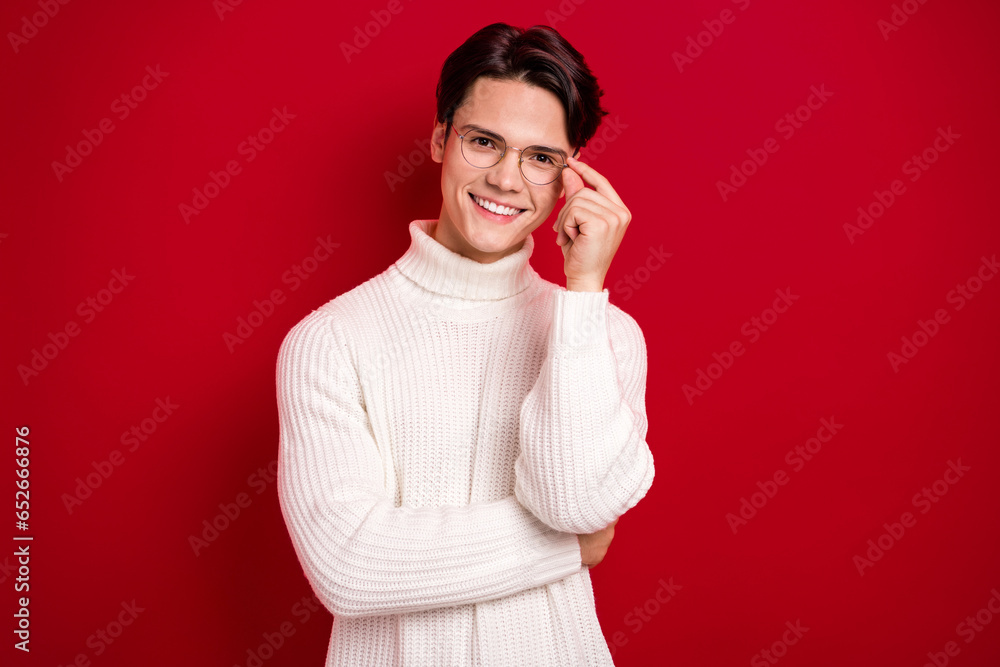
(494, 207)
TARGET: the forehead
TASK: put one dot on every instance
(523, 114)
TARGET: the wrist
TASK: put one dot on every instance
(584, 285)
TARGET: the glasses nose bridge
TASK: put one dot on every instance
(511, 148)
(520, 160)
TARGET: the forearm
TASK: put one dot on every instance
(364, 557)
(584, 460)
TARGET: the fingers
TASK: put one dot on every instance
(571, 182)
(604, 196)
(581, 210)
(585, 210)
(593, 177)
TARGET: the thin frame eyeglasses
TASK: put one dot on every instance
(481, 148)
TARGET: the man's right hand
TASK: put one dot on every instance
(594, 546)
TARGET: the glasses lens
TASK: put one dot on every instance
(482, 150)
(541, 167)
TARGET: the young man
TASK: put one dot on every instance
(458, 435)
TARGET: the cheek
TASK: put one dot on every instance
(547, 201)
(454, 177)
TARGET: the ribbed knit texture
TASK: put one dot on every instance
(446, 428)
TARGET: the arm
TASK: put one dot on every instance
(361, 554)
(584, 460)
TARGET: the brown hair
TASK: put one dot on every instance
(538, 56)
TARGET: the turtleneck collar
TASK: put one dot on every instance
(443, 271)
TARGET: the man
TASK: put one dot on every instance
(458, 435)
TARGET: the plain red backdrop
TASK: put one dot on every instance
(348, 167)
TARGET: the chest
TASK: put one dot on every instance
(444, 406)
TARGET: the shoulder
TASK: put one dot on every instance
(342, 319)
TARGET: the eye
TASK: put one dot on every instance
(544, 159)
(480, 141)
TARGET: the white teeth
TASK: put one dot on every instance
(494, 208)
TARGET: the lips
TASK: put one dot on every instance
(497, 208)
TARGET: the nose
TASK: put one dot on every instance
(506, 174)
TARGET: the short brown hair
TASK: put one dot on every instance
(538, 56)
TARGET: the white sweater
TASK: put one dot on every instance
(446, 429)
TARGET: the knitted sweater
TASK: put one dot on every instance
(446, 429)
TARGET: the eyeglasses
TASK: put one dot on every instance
(538, 164)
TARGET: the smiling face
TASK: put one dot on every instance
(524, 115)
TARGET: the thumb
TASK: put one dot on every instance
(571, 182)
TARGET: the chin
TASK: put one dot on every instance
(490, 236)
(488, 240)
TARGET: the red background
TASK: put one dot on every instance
(678, 133)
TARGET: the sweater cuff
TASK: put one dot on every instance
(580, 318)
(555, 555)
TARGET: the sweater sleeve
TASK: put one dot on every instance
(362, 555)
(584, 460)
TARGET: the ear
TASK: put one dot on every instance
(438, 136)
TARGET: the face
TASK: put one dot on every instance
(523, 115)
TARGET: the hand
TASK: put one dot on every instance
(594, 546)
(590, 226)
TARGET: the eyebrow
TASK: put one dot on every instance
(491, 133)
